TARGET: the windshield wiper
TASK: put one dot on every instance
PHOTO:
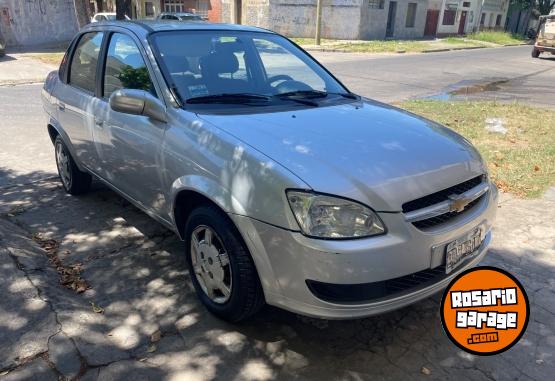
(229, 98)
(303, 93)
(304, 96)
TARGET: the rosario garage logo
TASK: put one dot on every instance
(485, 311)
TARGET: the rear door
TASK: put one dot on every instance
(76, 99)
(129, 146)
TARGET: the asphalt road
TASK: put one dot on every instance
(26, 152)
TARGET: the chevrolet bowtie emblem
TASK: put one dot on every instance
(458, 203)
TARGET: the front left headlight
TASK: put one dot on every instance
(332, 217)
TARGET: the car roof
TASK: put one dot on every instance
(145, 27)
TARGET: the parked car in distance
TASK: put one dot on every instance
(545, 37)
(183, 16)
(286, 187)
(106, 16)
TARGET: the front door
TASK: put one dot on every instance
(128, 146)
(6, 26)
(432, 18)
(390, 29)
(462, 23)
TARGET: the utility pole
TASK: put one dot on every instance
(318, 21)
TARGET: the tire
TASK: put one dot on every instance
(245, 296)
(73, 180)
(535, 53)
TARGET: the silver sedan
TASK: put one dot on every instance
(287, 188)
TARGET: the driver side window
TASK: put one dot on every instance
(278, 61)
(125, 67)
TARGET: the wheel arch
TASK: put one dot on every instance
(190, 191)
(54, 130)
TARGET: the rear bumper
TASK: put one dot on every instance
(286, 260)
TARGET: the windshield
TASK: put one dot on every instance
(204, 65)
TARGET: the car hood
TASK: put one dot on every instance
(367, 151)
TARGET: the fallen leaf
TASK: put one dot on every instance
(97, 309)
(155, 337)
(151, 348)
(425, 371)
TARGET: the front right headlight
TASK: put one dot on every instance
(330, 217)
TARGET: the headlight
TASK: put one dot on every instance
(331, 217)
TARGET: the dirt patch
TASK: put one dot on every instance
(70, 275)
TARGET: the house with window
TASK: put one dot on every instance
(460, 17)
(341, 19)
(493, 14)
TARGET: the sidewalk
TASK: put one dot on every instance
(399, 46)
(93, 288)
(20, 68)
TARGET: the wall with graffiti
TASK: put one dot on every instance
(37, 22)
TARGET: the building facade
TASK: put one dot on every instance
(341, 19)
(39, 22)
(493, 14)
(460, 17)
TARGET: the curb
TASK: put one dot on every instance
(332, 50)
(32, 81)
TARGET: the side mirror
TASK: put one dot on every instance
(138, 102)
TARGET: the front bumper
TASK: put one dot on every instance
(285, 260)
(542, 48)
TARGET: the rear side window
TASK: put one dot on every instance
(125, 67)
(82, 72)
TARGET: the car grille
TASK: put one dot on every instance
(368, 292)
(437, 197)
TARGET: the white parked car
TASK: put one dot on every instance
(106, 16)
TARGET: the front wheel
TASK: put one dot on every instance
(221, 268)
(73, 180)
(535, 53)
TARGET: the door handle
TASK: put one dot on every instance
(98, 122)
(61, 106)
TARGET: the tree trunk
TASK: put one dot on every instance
(545, 6)
(82, 12)
(123, 7)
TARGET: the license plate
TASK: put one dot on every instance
(457, 251)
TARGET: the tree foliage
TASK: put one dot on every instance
(543, 7)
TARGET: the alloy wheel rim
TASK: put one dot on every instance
(211, 264)
(62, 161)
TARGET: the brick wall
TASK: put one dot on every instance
(215, 12)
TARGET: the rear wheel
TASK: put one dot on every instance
(73, 180)
(221, 268)
(535, 53)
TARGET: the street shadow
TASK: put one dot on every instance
(10, 178)
(137, 274)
